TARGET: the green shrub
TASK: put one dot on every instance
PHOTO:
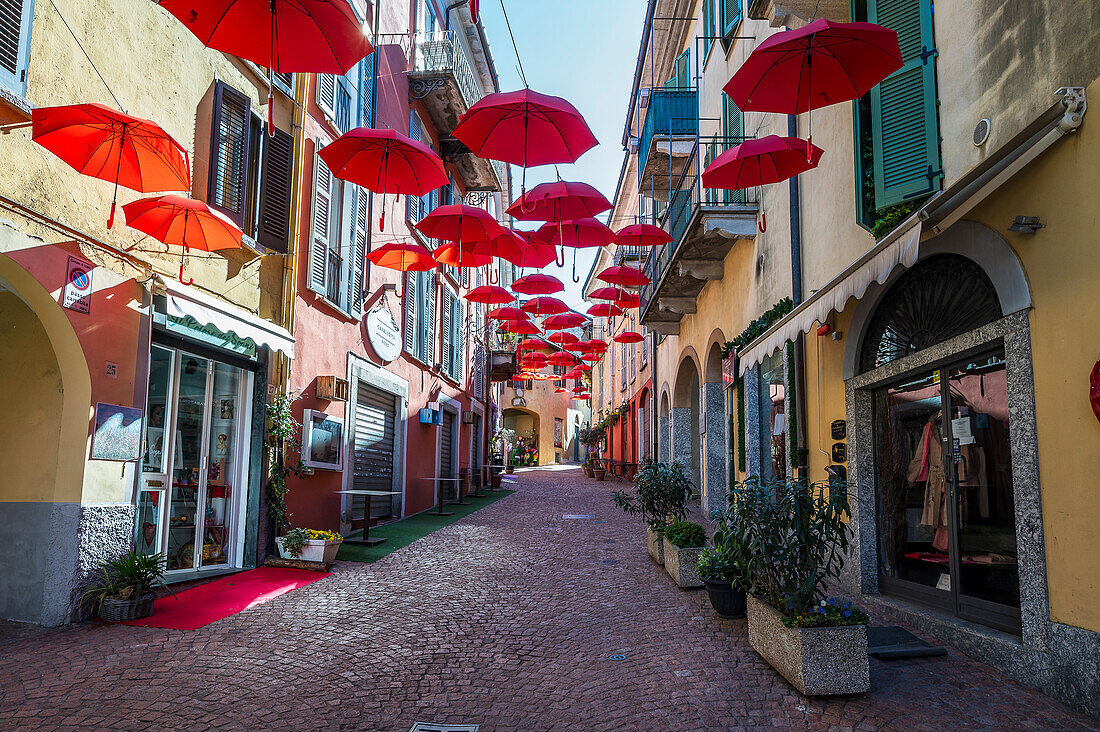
(685, 534)
(128, 576)
(728, 561)
(661, 495)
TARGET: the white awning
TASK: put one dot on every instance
(184, 301)
(898, 247)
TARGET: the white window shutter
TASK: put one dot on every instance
(448, 322)
(326, 94)
(318, 247)
(428, 327)
(457, 339)
(357, 285)
(15, 42)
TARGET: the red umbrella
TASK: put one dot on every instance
(538, 284)
(450, 255)
(614, 294)
(107, 144)
(628, 300)
(534, 358)
(522, 327)
(509, 246)
(491, 295)
(769, 159)
(584, 366)
(642, 235)
(403, 257)
(561, 337)
(183, 222)
(508, 313)
(533, 253)
(605, 309)
(559, 201)
(629, 336)
(574, 373)
(577, 233)
(461, 223)
(544, 306)
(563, 321)
(623, 276)
(594, 345)
(561, 359)
(559, 390)
(532, 344)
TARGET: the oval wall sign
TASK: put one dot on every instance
(383, 333)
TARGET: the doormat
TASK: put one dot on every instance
(202, 605)
(892, 642)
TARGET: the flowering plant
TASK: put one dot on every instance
(295, 539)
(827, 612)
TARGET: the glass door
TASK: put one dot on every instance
(187, 479)
(149, 529)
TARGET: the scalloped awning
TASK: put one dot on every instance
(187, 302)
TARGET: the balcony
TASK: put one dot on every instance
(442, 80)
(668, 136)
(705, 225)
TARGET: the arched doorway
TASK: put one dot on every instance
(714, 421)
(645, 450)
(525, 424)
(686, 424)
(664, 426)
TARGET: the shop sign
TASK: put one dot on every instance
(729, 369)
(206, 333)
(77, 294)
(839, 429)
(383, 333)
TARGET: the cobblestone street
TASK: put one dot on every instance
(505, 619)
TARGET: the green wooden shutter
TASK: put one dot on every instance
(318, 246)
(683, 69)
(412, 302)
(904, 125)
(427, 324)
(731, 16)
(366, 91)
(447, 312)
(359, 256)
(733, 129)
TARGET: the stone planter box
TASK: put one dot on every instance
(680, 565)
(816, 661)
(655, 543)
(314, 550)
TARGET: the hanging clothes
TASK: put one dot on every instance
(927, 467)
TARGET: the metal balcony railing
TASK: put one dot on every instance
(686, 197)
(673, 111)
(441, 52)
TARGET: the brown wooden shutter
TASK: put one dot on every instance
(318, 249)
(273, 232)
(228, 180)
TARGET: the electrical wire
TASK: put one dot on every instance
(515, 48)
(85, 52)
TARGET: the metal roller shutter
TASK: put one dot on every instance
(375, 417)
(446, 452)
(475, 450)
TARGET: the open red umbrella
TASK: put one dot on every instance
(491, 295)
(769, 159)
(563, 321)
(605, 309)
(508, 313)
(561, 337)
(534, 254)
(385, 161)
(107, 144)
(629, 336)
(624, 276)
(584, 366)
(628, 300)
(559, 201)
(403, 257)
(574, 373)
(577, 233)
(614, 294)
(183, 222)
(538, 284)
(532, 344)
(544, 305)
(509, 246)
(450, 255)
(559, 390)
(594, 345)
(561, 359)
(460, 223)
(522, 327)
(642, 235)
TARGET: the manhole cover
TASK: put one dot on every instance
(608, 541)
(616, 657)
(609, 561)
(578, 516)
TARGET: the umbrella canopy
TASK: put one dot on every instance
(459, 222)
(624, 276)
(183, 222)
(559, 390)
(524, 128)
(591, 356)
(769, 159)
(561, 359)
(533, 359)
(577, 233)
(385, 161)
(605, 309)
(509, 246)
(607, 293)
(532, 344)
(583, 366)
(104, 143)
(403, 256)
(594, 345)
(559, 201)
(533, 253)
(574, 373)
(575, 347)
(319, 36)
(544, 306)
(563, 321)
(508, 313)
(642, 235)
(522, 327)
(491, 295)
(561, 337)
(817, 65)
(452, 256)
(537, 284)
(628, 300)
(629, 336)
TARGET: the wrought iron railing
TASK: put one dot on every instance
(687, 195)
(441, 51)
(671, 112)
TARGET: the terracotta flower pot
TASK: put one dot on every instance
(598, 473)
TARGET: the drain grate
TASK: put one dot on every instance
(616, 657)
(609, 561)
(433, 727)
(578, 515)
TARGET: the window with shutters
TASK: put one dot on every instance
(682, 79)
(710, 27)
(897, 160)
(415, 203)
(730, 15)
(367, 73)
(15, 44)
(451, 317)
(623, 363)
(337, 252)
(420, 332)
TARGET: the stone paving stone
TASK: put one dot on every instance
(505, 619)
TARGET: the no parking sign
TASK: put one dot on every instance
(78, 286)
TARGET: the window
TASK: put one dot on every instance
(451, 313)
(623, 363)
(710, 27)
(420, 321)
(416, 203)
(338, 96)
(633, 354)
(682, 79)
(773, 418)
(339, 242)
(426, 17)
(733, 130)
(15, 44)
(366, 90)
(250, 172)
(729, 17)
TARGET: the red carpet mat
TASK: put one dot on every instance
(223, 597)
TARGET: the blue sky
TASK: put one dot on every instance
(584, 51)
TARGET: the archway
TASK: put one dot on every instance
(716, 469)
(686, 411)
(525, 424)
(664, 423)
(645, 450)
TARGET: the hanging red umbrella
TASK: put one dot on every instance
(522, 327)
(561, 337)
(628, 300)
(509, 246)
(385, 161)
(642, 235)
(544, 306)
(559, 201)
(508, 313)
(537, 284)
(629, 336)
(607, 293)
(584, 366)
(559, 390)
(183, 222)
(534, 254)
(461, 223)
(107, 144)
(561, 359)
(403, 257)
(624, 276)
(577, 233)
(450, 255)
(563, 321)
(594, 345)
(490, 295)
(574, 373)
(533, 360)
(532, 344)
(758, 162)
(605, 309)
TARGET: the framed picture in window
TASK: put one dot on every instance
(322, 440)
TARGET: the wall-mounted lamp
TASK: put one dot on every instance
(1026, 224)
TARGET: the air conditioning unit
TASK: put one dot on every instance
(467, 417)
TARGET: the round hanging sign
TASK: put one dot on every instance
(383, 333)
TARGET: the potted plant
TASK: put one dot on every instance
(598, 470)
(797, 538)
(122, 588)
(309, 545)
(721, 567)
(683, 542)
(661, 497)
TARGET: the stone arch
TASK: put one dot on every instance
(687, 371)
(715, 442)
(664, 426)
(712, 368)
(686, 417)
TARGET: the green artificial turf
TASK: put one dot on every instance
(404, 532)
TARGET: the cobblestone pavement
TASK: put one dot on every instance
(505, 619)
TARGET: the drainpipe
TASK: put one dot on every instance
(801, 451)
